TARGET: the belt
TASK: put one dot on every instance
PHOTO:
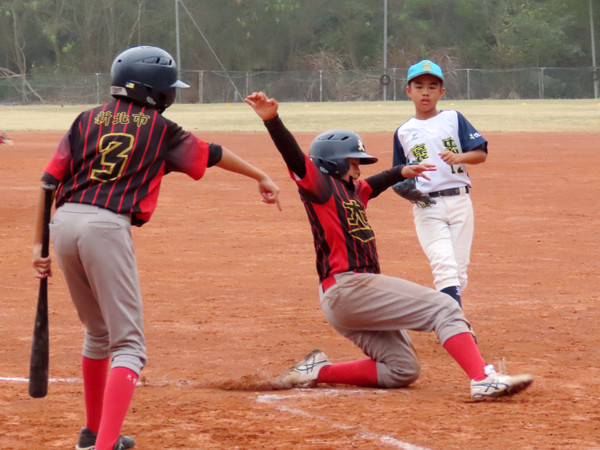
(450, 192)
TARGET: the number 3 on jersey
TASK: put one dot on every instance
(114, 151)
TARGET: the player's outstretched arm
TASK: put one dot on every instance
(268, 190)
(265, 107)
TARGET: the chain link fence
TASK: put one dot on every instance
(213, 86)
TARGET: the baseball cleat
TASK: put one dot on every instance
(305, 373)
(498, 385)
(87, 441)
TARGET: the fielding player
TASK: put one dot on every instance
(445, 224)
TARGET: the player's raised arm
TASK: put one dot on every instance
(265, 107)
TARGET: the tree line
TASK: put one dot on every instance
(84, 36)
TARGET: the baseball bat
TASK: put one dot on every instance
(38, 366)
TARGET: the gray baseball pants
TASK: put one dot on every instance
(374, 311)
(95, 253)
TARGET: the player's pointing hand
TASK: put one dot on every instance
(269, 192)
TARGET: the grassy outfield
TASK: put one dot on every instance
(577, 116)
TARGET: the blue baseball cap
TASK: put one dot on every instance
(423, 67)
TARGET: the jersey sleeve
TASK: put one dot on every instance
(364, 191)
(383, 180)
(287, 145)
(186, 153)
(399, 156)
(60, 162)
(470, 138)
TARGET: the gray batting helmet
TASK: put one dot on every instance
(330, 151)
(147, 75)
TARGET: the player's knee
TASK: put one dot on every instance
(397, 377)
(96, 347)
(447, 304)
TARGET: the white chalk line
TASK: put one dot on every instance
(142, 382)
(305, 393)
(20, 188)
(50, 380)
(272, 398)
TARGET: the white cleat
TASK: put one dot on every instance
(305, 373)
(498, 385)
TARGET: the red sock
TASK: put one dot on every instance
(117, 397)
(359, 373)
(95, 372)
(465, 352)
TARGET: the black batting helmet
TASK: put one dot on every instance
(330, 151)
(147, 75)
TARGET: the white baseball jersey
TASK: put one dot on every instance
(422, 140)
(445, 229)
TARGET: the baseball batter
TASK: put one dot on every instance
(370, 309)
(446, 139)
(108, 168)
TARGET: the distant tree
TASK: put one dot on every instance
(61, 36)
(490, 33)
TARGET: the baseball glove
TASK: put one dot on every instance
(408, 189)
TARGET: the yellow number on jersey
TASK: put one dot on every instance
(114, 151)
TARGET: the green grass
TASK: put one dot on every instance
(577, 116)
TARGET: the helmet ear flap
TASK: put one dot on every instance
(169, 97)
(334, 168)
(342, 166)
(165, 98)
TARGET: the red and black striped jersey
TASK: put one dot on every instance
(343, 238)
(114, 156)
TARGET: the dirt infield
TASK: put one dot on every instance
(230, 295)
